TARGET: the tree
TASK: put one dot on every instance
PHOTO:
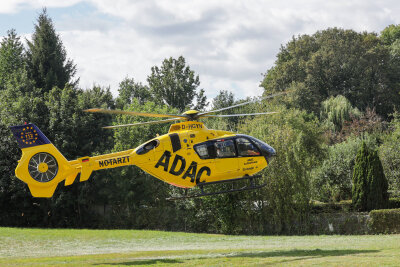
(389, 153)
(47, 59)
(77, 134)
(336, 111)
(129, 90)
(223, 99)
(367, 123)
(201, 100)
(332, 180)
(390, 34)
(175, 85)
(12, 59)
(336, 62)
(137, 199)
(297, 139)
(369, 182)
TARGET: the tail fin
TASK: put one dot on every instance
(29, 135)
(41, 166)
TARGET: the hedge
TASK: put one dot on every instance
(320, 207)
(394, 203)
(385, 221)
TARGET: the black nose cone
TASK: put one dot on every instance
(267, 151)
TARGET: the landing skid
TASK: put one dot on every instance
(202, 186)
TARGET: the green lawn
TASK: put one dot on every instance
(41, 247)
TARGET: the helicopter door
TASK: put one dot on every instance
(249, 155)
(226, 161)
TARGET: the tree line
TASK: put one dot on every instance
(344, 96)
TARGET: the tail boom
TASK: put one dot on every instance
(87, 165)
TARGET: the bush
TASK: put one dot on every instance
(332, 180)
(332, 207)
(394, 203)
(390, 156)
(369, 182)
(385, 221)
(297, 138)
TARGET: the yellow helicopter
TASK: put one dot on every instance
(188, 155)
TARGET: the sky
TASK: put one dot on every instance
(229, 44)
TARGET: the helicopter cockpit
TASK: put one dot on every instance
(237, 146)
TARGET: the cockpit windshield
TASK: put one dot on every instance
(246, 147)
(267, 150)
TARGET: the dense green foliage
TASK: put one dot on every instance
(340, 80)
(389, 152)
(11, 58)
(369, 182)
(385, 221)
(175, 85)
(47, 58)
(335, 111)
(298, 139)
(337, 62)
(129, 90)
(390, 34)
(332, 180)
(223, 99)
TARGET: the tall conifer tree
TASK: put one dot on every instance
(369, 182)
(47, 58)
(11, 57)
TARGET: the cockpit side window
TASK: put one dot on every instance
(246, 148)
(205, 150)
(202, 151)
(147, 147)
(225, 148)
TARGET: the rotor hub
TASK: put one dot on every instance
(191, 115)
(43, 167)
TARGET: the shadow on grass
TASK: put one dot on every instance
(143, 262)
(296, 254)
(303, 253)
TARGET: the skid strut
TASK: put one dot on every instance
(251, 186)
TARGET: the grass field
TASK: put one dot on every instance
(54, 247)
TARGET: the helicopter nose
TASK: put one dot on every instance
(268, 152)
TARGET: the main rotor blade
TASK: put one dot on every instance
(133, 113)
(242, 104)
(141, 123)
(238, 115)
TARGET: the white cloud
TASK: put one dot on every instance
(228, 43)
(13, 6)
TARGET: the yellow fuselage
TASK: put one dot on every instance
(187, 155)
(183, 167)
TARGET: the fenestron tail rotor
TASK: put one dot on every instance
(43, 167)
